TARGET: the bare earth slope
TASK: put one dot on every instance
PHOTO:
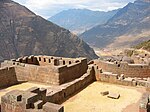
(131, 25)
(24, 33)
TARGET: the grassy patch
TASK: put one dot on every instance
(144, 45)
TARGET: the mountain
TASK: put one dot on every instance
(24, 33)
(129, 26)
(80, 20)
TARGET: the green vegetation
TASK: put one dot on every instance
(128, 52)
(144, 45)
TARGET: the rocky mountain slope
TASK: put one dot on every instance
(131, 25)
(24, 33)
(80, 20)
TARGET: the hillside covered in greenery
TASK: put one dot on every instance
(144, 45)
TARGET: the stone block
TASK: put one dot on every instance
(56, 62)
(104, 93)
(61, 62)
(134, 83)
(22, 64)
(34, 90)
(148, 79)
(122, 77)
(148, 107)
(113, 95)
(142, 83)
(15, 95)
(43, 91)
(143, 105)
(30, 97)
(51, 107)
(38, 104)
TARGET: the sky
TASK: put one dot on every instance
(48, 8)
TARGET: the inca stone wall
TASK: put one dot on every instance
(28, 101)
(129, 70)
(109, 77)
(68, 75)
(45, 100)
(40, 74)
(50, 70)
(7, 76)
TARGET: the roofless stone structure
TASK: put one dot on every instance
(66, 76)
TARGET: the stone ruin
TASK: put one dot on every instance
(135, 58)
(66, 76)
(32, 100)
(129, 70)
(45, 69)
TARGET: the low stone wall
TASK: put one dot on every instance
(42, 100)
(129, 70)
(66, 90)
(7, 77)
(121, 79)
(115, 79)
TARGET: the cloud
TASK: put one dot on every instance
(47, 8)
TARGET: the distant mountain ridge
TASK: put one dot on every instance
(129, 26)
(24, 33)
(80, 20)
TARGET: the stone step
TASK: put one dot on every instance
(38, 104)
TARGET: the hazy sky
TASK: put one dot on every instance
(47, 8)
